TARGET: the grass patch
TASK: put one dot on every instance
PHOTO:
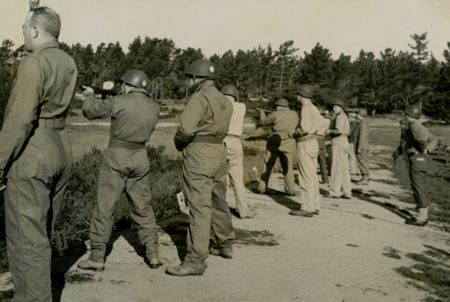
(260, 238)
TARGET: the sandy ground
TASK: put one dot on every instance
(335, 256)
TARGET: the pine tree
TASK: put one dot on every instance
(421, 47)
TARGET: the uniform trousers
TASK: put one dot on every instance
(285, 150)
(362, 159)
(340, 173)
(323, 159)
(235, 156)
(307, 153)
(353, 165)
(123, 170)
(204, 170)
(35, 188)
(418, 167)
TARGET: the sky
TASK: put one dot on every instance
(216, 26)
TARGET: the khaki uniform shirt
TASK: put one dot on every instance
(342, 124)
(237, 119)
(362, 141)
(133, 115)
(43, 88)
(310, 119)
(354, 131)
(418, 138)
(208, 112)
(283, 121)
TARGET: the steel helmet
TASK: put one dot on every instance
(135, 78)
(201, 68)
(306, 90)
(362, 112)
(230, 90)
(338, 102)
(282, 102)
(413, 111)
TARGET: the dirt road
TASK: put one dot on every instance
(355, 250)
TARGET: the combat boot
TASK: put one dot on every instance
(225, 252)
(91, 265)
(183, 270)
(155, 263)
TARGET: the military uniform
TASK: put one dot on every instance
(37, 157)
(235, 156)
(352, 137)
(204, 125)
(322, 149)
(340, 172)
(362, 149)
(280, 145)
(417, 140)
(125, 166)
(307, 153)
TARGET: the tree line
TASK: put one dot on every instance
(392, 82)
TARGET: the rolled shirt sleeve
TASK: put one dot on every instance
(22, 110)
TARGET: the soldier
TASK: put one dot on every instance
(125, 166)
(204, 125)
(399, 151)
(340, 186)
(322, 147)
(284, 120)
(418, 143)
(35, 153)
(354, 132)
(235, 154)
(362, 147)
(307, 153)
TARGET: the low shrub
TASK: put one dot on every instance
(165, 178)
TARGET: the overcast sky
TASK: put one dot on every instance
(215, 26)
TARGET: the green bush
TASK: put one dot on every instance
(166, 180)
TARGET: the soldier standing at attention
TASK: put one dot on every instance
(307, 153)
(284, 120)
(235, 153)
(35, 153)
(418, 143)
(362, 147)
(340, 186)
(125, 166)
(204, 125)
(354, 132)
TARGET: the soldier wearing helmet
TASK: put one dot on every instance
(340, 186)
(125, 166)
(235, 153)
(307, 153)
(204, 125)
(418, 143)
(279, 144)
(362, 146)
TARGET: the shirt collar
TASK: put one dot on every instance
(51, 44)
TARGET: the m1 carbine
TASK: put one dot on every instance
(98, 90)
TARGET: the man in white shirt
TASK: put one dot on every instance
(235, 153)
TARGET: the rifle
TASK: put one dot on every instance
(264, 110)
(98, 90)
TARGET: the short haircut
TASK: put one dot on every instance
(48, 19)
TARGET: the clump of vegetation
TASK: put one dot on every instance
(165, 178)
(261, 238)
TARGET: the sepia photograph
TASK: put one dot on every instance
(212, 150)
